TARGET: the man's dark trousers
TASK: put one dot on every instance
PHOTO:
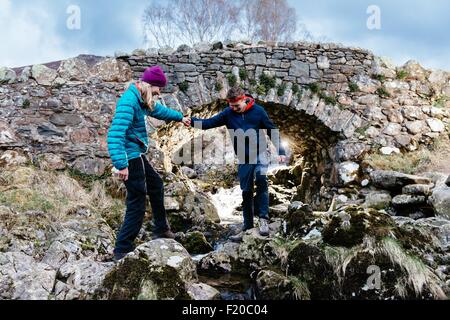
(251, 175)
(143, 180)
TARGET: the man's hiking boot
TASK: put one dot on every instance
(166, 235)
(263, 227)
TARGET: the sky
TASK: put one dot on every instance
(37, 31)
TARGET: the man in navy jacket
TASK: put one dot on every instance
(245, 121)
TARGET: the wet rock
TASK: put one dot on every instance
(274, 286)
(299, 218)
(22, 278)
(195, 242)
(440, 200)
(202, 291)
(407, 200)
(222, 261)
(352, 224)
(418, 189)
(392, 180)
(308, 261)
(156, 270)
(439, 227)
(378, 200)
(391, 264)
(256, 251)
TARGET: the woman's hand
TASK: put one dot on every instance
(123, 174)
(186, 121)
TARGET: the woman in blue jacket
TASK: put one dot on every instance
(127, 146)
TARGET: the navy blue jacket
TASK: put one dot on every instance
(255, 118)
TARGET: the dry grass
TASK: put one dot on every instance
(418, 276)
(431, 158)
(54, 193)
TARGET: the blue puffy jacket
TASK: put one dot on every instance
(127, 136)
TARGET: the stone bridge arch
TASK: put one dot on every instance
(340, 102)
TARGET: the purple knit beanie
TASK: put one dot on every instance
(155, 76)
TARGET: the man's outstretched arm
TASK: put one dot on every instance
(214, 122)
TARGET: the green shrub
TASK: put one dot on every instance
(281, 89)
(243, 74)
(441, 101)
(267, 81)
(232, 80)
(26, 103)
(314, 87)
(353, 87)
(402, 74)
(379, 77)
(184, 86)
(218, 86)
(253, 82)
(261, 90)
(330, 100)
(382, 92)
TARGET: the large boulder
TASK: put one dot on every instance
(112, 70)
(395, 181)
(224, 260)
(80, 279)
(74, 69)
(157, 270)
(43, 75)
(23, 278)
(7, 75)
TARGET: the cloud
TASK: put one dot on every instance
(25, 38)
(410, 29)
(35, 31)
